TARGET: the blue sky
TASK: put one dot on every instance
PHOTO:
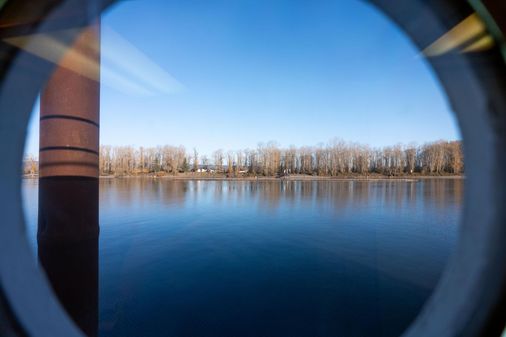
(230, 74)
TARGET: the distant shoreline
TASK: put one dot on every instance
(189, 177)
(288, 178)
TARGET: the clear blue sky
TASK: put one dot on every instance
(230, 74)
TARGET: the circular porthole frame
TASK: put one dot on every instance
(470, 299)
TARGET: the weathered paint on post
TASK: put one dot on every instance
(69, 111)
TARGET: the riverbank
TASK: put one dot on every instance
(294, 177)
(283, 178)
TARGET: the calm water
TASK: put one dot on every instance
(207, 258)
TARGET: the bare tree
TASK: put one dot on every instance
(410, 155)
(218, 160)
(195, 160)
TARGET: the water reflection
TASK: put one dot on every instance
(334, 196)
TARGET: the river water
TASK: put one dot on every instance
(267, 258)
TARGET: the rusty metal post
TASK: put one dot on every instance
(69, 111)
(68, 229)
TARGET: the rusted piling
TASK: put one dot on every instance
(68, 226)
(69, 111)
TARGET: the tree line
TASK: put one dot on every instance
(336, 158)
